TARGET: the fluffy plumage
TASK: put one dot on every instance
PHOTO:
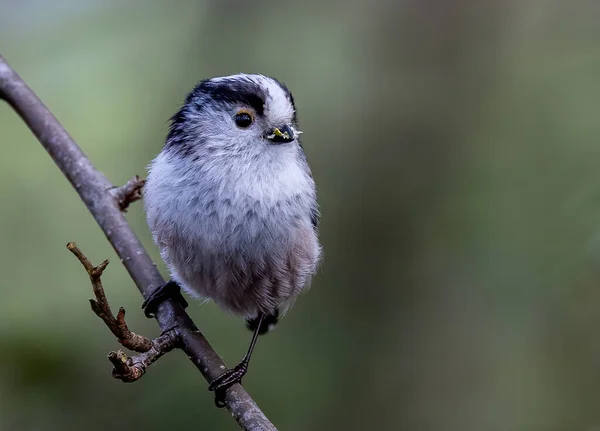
(233, 214)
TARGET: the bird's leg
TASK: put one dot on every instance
(234, 375)
(161, 293)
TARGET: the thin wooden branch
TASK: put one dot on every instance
(101, 308)
(129, 192)
(130, 369)
(126, 369)
(95, 191)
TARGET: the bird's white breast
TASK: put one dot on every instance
(232, 215)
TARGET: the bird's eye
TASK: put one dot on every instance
(243, 119)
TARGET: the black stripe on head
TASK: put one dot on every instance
(178, 138)
(229, 91)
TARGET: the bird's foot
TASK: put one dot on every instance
(169, 290)
(226, 380)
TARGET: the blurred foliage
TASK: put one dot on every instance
(455, 146)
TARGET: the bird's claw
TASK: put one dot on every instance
(162, 293)
(229, 378)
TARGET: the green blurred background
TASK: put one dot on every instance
(455, 146)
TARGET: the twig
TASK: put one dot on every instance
(100, 306)
(125, 369)
(129, 192)
(130, 369)
(94, 189)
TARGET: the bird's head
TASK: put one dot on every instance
(237, 114)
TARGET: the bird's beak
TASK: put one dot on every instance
(280, 135)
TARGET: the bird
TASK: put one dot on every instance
(231, 203)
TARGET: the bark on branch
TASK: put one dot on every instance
(130, 369)
(129, 192)
(104, 204)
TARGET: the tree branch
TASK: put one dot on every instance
(125, 369)
(131, 369)
(100, 306)
(130, 192)
(95, 191)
